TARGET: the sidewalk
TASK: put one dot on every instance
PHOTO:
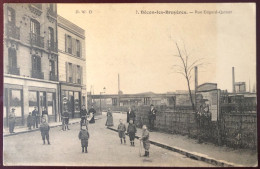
(24, 129)
(207, 152)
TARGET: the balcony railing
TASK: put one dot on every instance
(13, 70)
(37, 74)
(13, 31)
(53, 77)
(36, 40)
(52, 46)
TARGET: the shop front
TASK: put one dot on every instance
(71, 99)
(24, 94)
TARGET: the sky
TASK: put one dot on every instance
(142, 47)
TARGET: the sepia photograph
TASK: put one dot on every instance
(130, 84)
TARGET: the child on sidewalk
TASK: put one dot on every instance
(121, 131)
(45, 128)
(145, 139)
(84, 136)
(131, 130)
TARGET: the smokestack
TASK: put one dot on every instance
(196, 78)
(233, 79)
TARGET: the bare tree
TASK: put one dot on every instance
(185, 68)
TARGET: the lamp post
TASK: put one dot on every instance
(104, 91)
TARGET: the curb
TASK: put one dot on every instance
(192, 155)
(28, 131)
(38, 129)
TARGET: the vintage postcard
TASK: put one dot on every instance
(138, 84)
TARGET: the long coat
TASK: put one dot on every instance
(44, 128)
(109, 121)
(30, 120)
(130, 115)
(93, 111)
(152, 114)
(84, 136)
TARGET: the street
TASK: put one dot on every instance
(104, 149)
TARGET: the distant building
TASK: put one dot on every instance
(240, 87)
(30, 60)
(72, 66)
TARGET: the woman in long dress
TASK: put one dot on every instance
(109, 121)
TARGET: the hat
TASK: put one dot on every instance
(13, 108)
(151, 104)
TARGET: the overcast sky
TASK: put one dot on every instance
(141, 47)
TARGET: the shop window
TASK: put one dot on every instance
(51, 103)
(76, 101)
(33, 101)
(16, 102)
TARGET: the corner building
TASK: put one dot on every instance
(71, 66)
(30, 60)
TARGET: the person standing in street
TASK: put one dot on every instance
(45, 114)
(36, 117)
(66, 118)
(84, 136)
(93, 111)
(130, 115)
(152, 117)
(45, 128)
(29, 121)
(11, 121)
(83, 115)
(121, 131)
(145, 140)
(109, 121)
(131, 130)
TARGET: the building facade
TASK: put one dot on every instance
(72, 66)
(30, 60)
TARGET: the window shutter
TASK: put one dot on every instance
(66, 44)
(74, 79)
(80, 49)
(67, 72)
(81, 75)
(74, 46)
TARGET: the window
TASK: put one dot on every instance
(35, 27)
(51, 36)
(33, 101)
(76, 101)
(69, 44)
(70, 73)
(11, 15)
(51, 103)
(12, 58)
(77, 48)
(36, 63)
(16, 102)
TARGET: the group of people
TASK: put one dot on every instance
(131, 129)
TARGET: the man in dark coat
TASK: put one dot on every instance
(45, 128)
(11, 120)
(130, 115)
(36, 117)
(84, 136)
(93, 111)
(83, 115)
(152, 117)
